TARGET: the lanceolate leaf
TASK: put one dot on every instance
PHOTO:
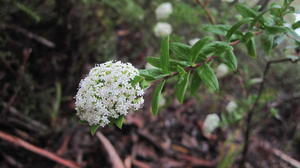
(236, 26)
(231, 60)
(293, 34)
(164, 54)
(196, 48)
(276, 29)
(152, 74)
(296, 25)
(155, 61)
(180, 50)
(246, 11)
(217, 29)
(208, 76)
(181, 86)
(156, 97)
(195, 83)
(251, 47)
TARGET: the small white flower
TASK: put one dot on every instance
(222, 70)
(162, 29)
(194, 41)
(211, 122)
(107, 93)
(231, 106)
(164, 10)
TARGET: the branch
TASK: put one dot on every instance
(30, 35)
(253, 108)
(187, 69)
(37, 150)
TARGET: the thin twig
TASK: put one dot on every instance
(187, 69)
(253, 108)
(208, 15)
(29, 34)
(37, 150)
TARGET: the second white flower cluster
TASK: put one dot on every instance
(162, 12)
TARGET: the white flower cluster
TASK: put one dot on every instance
(163, 11)
(107, 93)
(162, 29)
(211, 122)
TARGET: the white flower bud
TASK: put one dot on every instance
(211, 122)
(162, 29)
(231, 106)
(164, 10)
(107, 93)
(194, 41)
(222, 70)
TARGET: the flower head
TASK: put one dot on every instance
(162, 29)
(164, 10)
(107, 93)
(211, 122)
(231, 106)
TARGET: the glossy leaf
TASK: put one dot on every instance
(231, 60)
(180, 50)
(181, 86)
(246, 11)
(236, 26)
(251, 47)
(156, 97)
(152, 74)
(196, 48)
(208, 76)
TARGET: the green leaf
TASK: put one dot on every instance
(293, 34)
(236, 26)
(180, 50)
(260, 17)
(195, 83)
(251, 47)
(156, 97)
(164, 54)
(155, 61)
(196, 48)
(217, 29)
(119, 122)
(231, 60)
(275, 29)
(152, 74)
(208, 76)
(267, 42)
(93, 129)
(136, 80)
(246, 11)
(181, 86)
(296, 25)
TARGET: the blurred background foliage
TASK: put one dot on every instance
(47, 46)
